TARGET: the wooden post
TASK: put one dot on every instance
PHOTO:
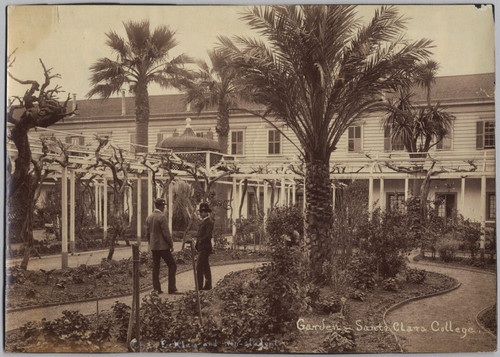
(105, 208)
(382, 194)
(150, 191)
(333, 196)
(99, 204)
(64, 217)
(282, 190)
(406, 189)
(483, 216)
(96, 199)
(370, 197)
(139, 210)
(135, 257)
(294, 193)
(72, 204)
(265, 203)
(170, 207)
(193, 253)
(462, 196)
(233, 205)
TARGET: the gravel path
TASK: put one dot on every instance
(185, 282)
(447, 323)
(74, 260)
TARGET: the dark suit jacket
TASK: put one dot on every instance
(204, 241)
(157, 231)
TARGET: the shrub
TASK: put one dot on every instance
(121, 316)
(448, 248)
(72, 325)
(390, 284)
(284, 221)
(415, 276)
(362, 272)
(387, 240)
(156, 317)
(339, 340)
(329, 305)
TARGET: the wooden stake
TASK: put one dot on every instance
(196, 282)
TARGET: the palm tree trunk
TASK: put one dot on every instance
(319, 214)
(141, 116)
(222, 128)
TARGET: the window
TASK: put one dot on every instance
(354, 139)
(274, 142)
(237, 142)
(395, 201)
(75, 140)
(491, 209)
(445, 143)
(485, 134)
(389, 144)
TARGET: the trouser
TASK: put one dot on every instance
(203, 270)
(172, 268)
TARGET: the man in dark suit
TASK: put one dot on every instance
(161, 245)
(204, 247)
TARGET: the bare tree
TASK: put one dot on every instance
(38, 107)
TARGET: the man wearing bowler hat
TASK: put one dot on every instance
(161, 245)
(204, 247)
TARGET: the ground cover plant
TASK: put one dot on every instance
(110, 278)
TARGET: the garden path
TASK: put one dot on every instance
(185, 283)
(50, 262)
(447, 312)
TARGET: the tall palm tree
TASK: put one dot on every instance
(319, 70)
(142, 58)
(216, 85)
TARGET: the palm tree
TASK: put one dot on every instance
(142, 58)
(218, 86)
(319, 71)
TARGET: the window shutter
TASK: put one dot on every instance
(68, 139)
(479, 134)
(387, 138)
(81, 140)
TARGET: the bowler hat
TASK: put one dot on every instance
(204, 207)
(159, 201)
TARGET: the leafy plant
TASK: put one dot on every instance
(448, 248)
(121, 315)
(415, 276)
(362, 272)
(390, 284)
(156, 317)
(340, 339)
(72, 325)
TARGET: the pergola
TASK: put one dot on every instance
(165, 165)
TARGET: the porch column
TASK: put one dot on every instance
(139, 210)
(382, 194)
(233, 204)
(72, 205)
(64, 217)
(294, 193)
(170, 207)
(370, 197)
(462, 195)
(241, 197)
(483, 215)
(105, 207)
(406, 189)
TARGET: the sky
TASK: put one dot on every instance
(70, 38)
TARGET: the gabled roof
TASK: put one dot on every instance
(474, 87)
